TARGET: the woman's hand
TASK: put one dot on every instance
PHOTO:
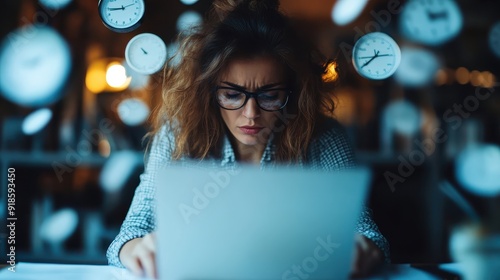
(367, 257)
(138, 255)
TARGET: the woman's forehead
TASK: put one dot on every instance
(259, 69)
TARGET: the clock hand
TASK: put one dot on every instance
(365, 57)
(436, 15)
(371, 59)
(144, 51)
(121, 8)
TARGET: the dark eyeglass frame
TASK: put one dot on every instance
(249, 94)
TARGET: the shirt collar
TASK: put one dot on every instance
(229, 157)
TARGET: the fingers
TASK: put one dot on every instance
(367, 256)
(141, 259)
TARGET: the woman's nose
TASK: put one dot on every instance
(251, 110)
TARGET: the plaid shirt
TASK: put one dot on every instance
(330, 150)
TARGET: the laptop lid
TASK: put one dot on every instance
(252, 224)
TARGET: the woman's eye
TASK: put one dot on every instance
(232, 95)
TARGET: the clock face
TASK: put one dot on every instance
(431, 22)
(146, 53)
(376, 56)
(418, 67)
(55, 4)
(494, 39)
(121, 15)
(34, 68)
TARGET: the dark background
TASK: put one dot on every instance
(414, 216)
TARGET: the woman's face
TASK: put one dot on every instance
(250, 125)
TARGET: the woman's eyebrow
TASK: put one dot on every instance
(264, 87)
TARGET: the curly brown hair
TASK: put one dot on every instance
(240, 28)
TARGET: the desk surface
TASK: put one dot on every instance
(39, 271)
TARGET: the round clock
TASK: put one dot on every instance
(55, 4)
(146, 53)
(121, 15)
(376, 56)
(418, 67)
(431, 22)
(494, 39)
(35, 62)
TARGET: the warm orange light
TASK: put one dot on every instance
(462, 75)
(331, 72)
(107, 74)
(476, 79)
(441, 77)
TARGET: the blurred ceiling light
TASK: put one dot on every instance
(188, 20)
(59, 226)
(118, 169)
(99, 78)
(116, 76)
(476, 79)
(35, 62)
(133, 111)
(477, 169)
(345, 11)
(55, 4)
(36, 121)
(188, 2)
(331, 72)
(104, 148)
(488, 79)
(418, 67)
(441, 77)
(462, 75)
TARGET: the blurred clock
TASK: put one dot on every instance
(494, 39)
(418, 67)
(431, 22)
(35, 62)
(55, 4)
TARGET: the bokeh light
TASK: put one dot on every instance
(133, 111)
(478, 169)
(36, 121)
(35, 62)
(59, 226)
(116, 75)
(345, 11)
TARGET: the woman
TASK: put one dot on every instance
(248, 90)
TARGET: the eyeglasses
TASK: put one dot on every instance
(231, 98)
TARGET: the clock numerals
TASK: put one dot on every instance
(376, 56)
(121, 15)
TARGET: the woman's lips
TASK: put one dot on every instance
(250, 130)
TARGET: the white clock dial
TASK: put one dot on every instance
(376, 56)
(146, 53)
(121, 15)
(431, 22)
(494, 39)
(418, 67)
(34, 65)
(55, 4)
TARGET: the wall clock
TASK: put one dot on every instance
(121, 15)
(146, 53)
(35, 62)
(430, 22)
(376, 56)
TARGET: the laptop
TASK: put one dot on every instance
(282, 223)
